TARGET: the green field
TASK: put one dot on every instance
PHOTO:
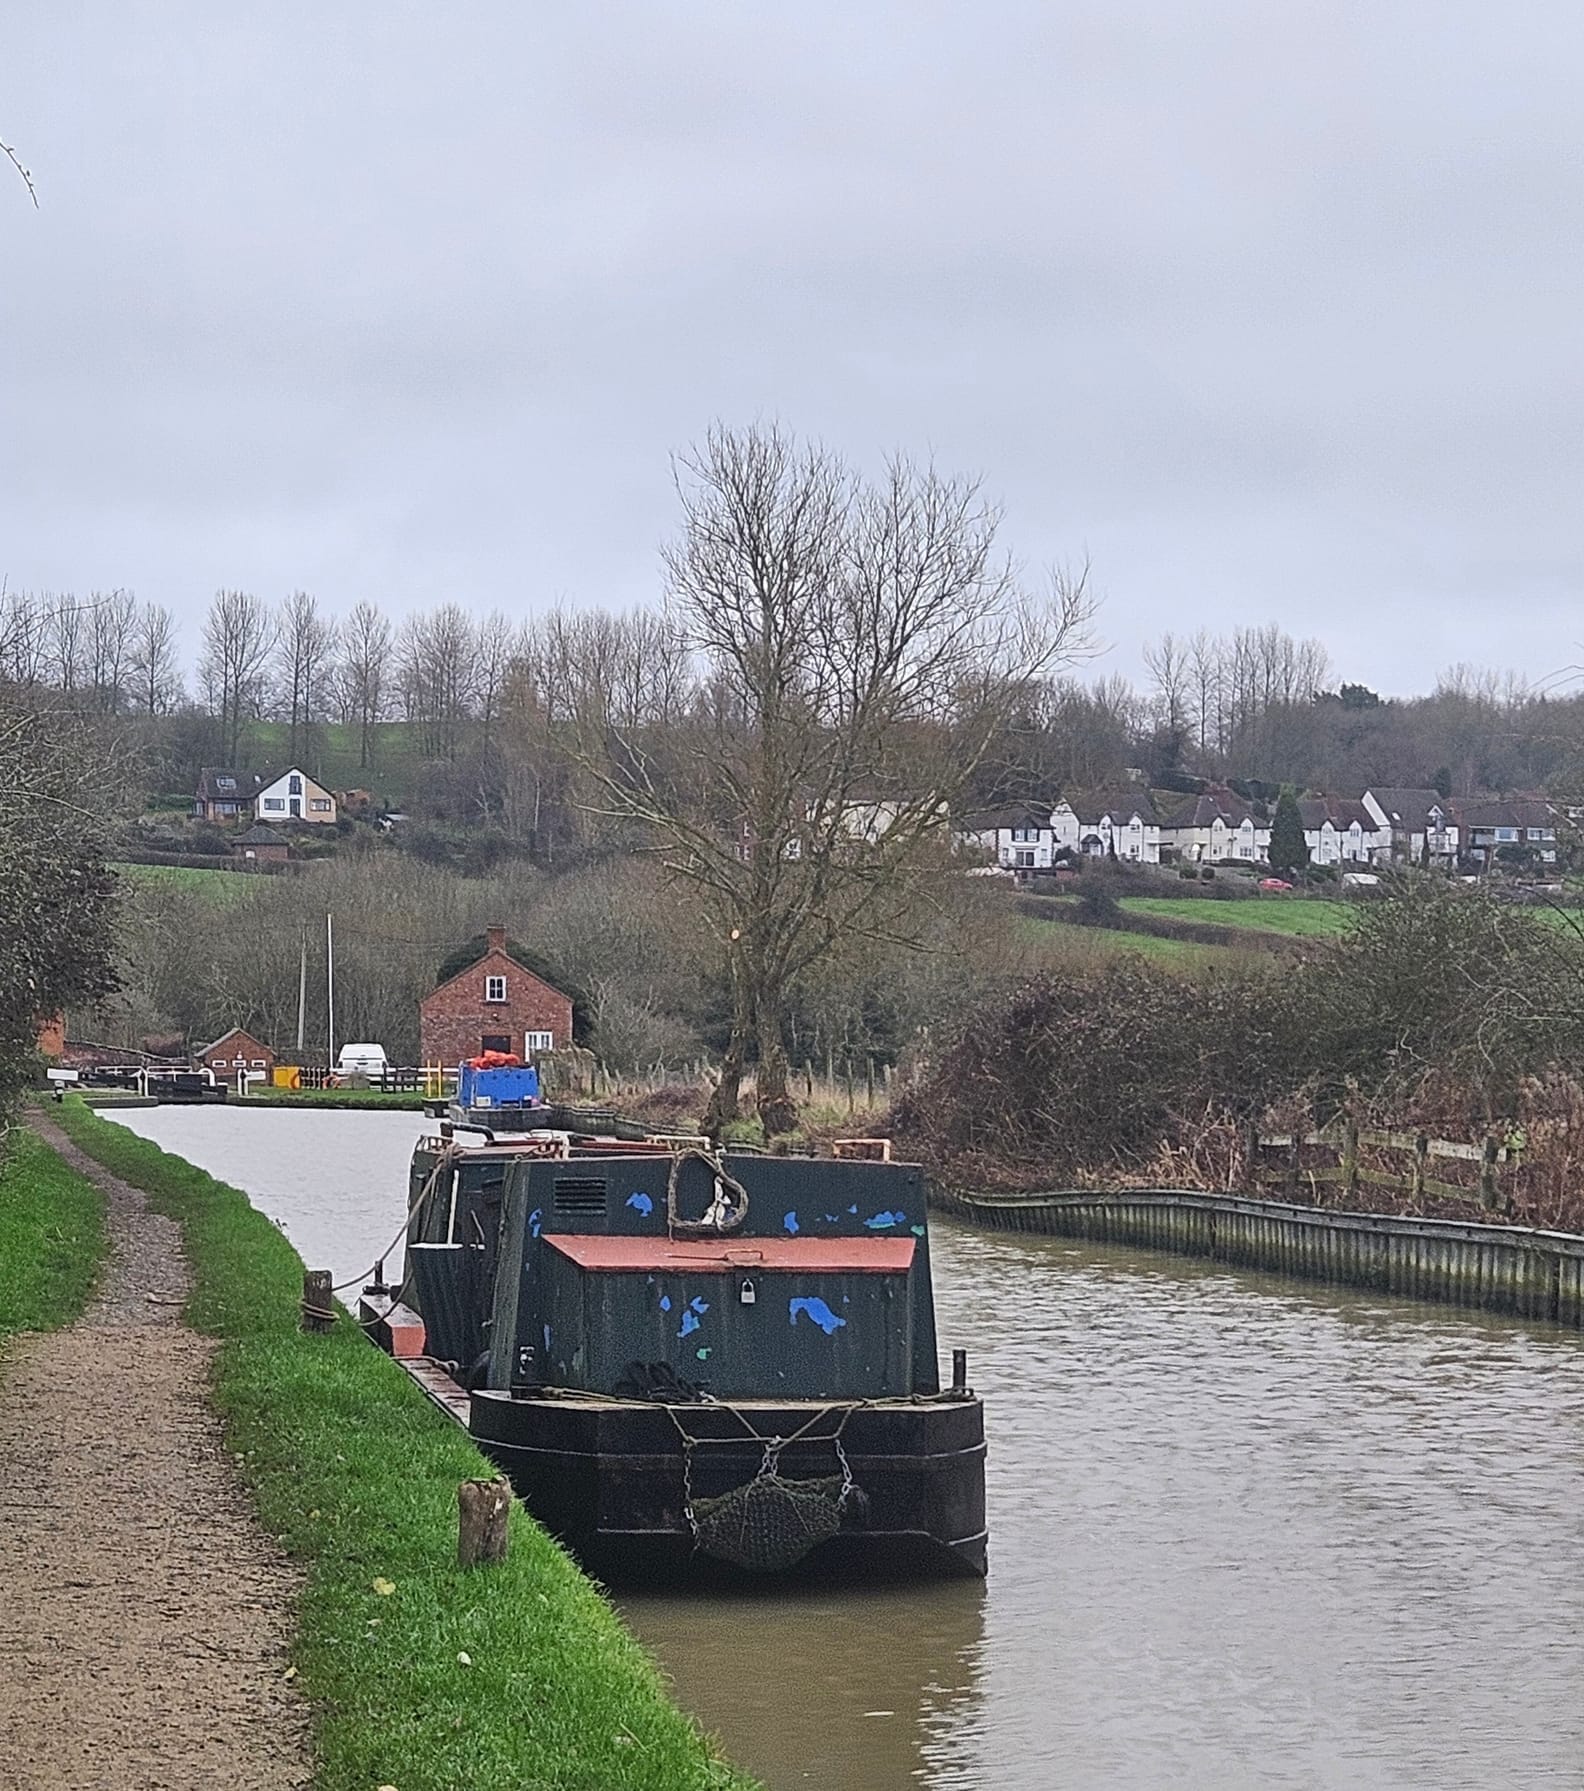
(218, 886)
(1062, 946)
(1297, 917)
(331, 755)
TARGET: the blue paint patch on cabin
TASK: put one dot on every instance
(791, 1224)
(690, 1323)
(885, 1221)
(700, 1306)
(641, 1203)
(665, 1302)
(535, 1221)
(816, 1310)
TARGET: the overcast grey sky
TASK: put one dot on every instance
(1275, 308)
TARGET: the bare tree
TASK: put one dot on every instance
(24, 639)
(362, 674)
(1168, 662)
(112, 618)
(854, 650)
(237, 639)
(66, 631)
(493, 646)
(437, 660)
(303, 657)
(155, 668)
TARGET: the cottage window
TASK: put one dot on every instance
(1024, 860)
(294, 786)
(1507, 833)
(258, 1063)
(225, 783)
(494, 988)
(496, 1041)
(274, 803)
(1023, 836)
(319, 804)
(539, 1041)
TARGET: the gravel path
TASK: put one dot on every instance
(146, 1617)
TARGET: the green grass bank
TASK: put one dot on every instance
(52, 1237)
(423, 1677)
(330, 1097)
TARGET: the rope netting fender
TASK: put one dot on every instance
(770, 1522)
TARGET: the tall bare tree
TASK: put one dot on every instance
(854, 647)
(237, 637)
(155, 667)
(112, 620)
(362, 674)
(302, 661)
(1168, 662)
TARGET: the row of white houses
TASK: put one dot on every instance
(1384, 826)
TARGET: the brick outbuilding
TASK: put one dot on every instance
(495, 1004)
(237, 1050)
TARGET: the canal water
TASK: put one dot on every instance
(1243, 1533)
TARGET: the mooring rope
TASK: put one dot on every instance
(722, 1215)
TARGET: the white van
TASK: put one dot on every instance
(362, 1060)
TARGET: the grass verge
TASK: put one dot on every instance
(330, 1097)
(52, 1237)
(1295, 917)
(356, 1472)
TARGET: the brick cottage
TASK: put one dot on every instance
(494, 1005)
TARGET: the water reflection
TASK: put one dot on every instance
(798, 1702)
(1244, 1533)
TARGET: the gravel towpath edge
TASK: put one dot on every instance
(146, 1614)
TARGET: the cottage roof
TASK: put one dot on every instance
(1512, 811)
(1410, 809)
(1015, 814)
(1209, 806)
(1341, 811)
(260, 835)
(1093, 806)
(225, 1038)
(223, 783)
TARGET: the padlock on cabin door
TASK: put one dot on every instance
(746, 1293)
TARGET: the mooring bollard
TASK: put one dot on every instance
(318, 1305)
(483, 1508)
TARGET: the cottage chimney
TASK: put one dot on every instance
(495, 936)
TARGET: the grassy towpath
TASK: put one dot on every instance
(422, 1677)
(147, 1614)
(52, 1238)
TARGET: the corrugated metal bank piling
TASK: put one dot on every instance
(1500, 1268)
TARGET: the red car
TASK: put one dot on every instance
(1274, 883)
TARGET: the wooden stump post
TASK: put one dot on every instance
(1490, 1193)
(1350, 1168)
(318, 1303)
(1421, 1158)
(483, 1508)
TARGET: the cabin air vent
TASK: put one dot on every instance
(580, 1194)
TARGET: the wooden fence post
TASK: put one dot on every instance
(1350, 1168)
(318, 1305)
(1489, 1190)
(1251, 1145)
(1294, 1163)
(869, 1081)
(483, 1510)
(1421, 1157)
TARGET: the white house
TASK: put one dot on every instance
(1215, 825)
(1338, 831)
(1119, 824)
(1412, 821)
(1019, 838)
(294, 796)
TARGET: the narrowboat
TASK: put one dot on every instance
(691, 1362)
